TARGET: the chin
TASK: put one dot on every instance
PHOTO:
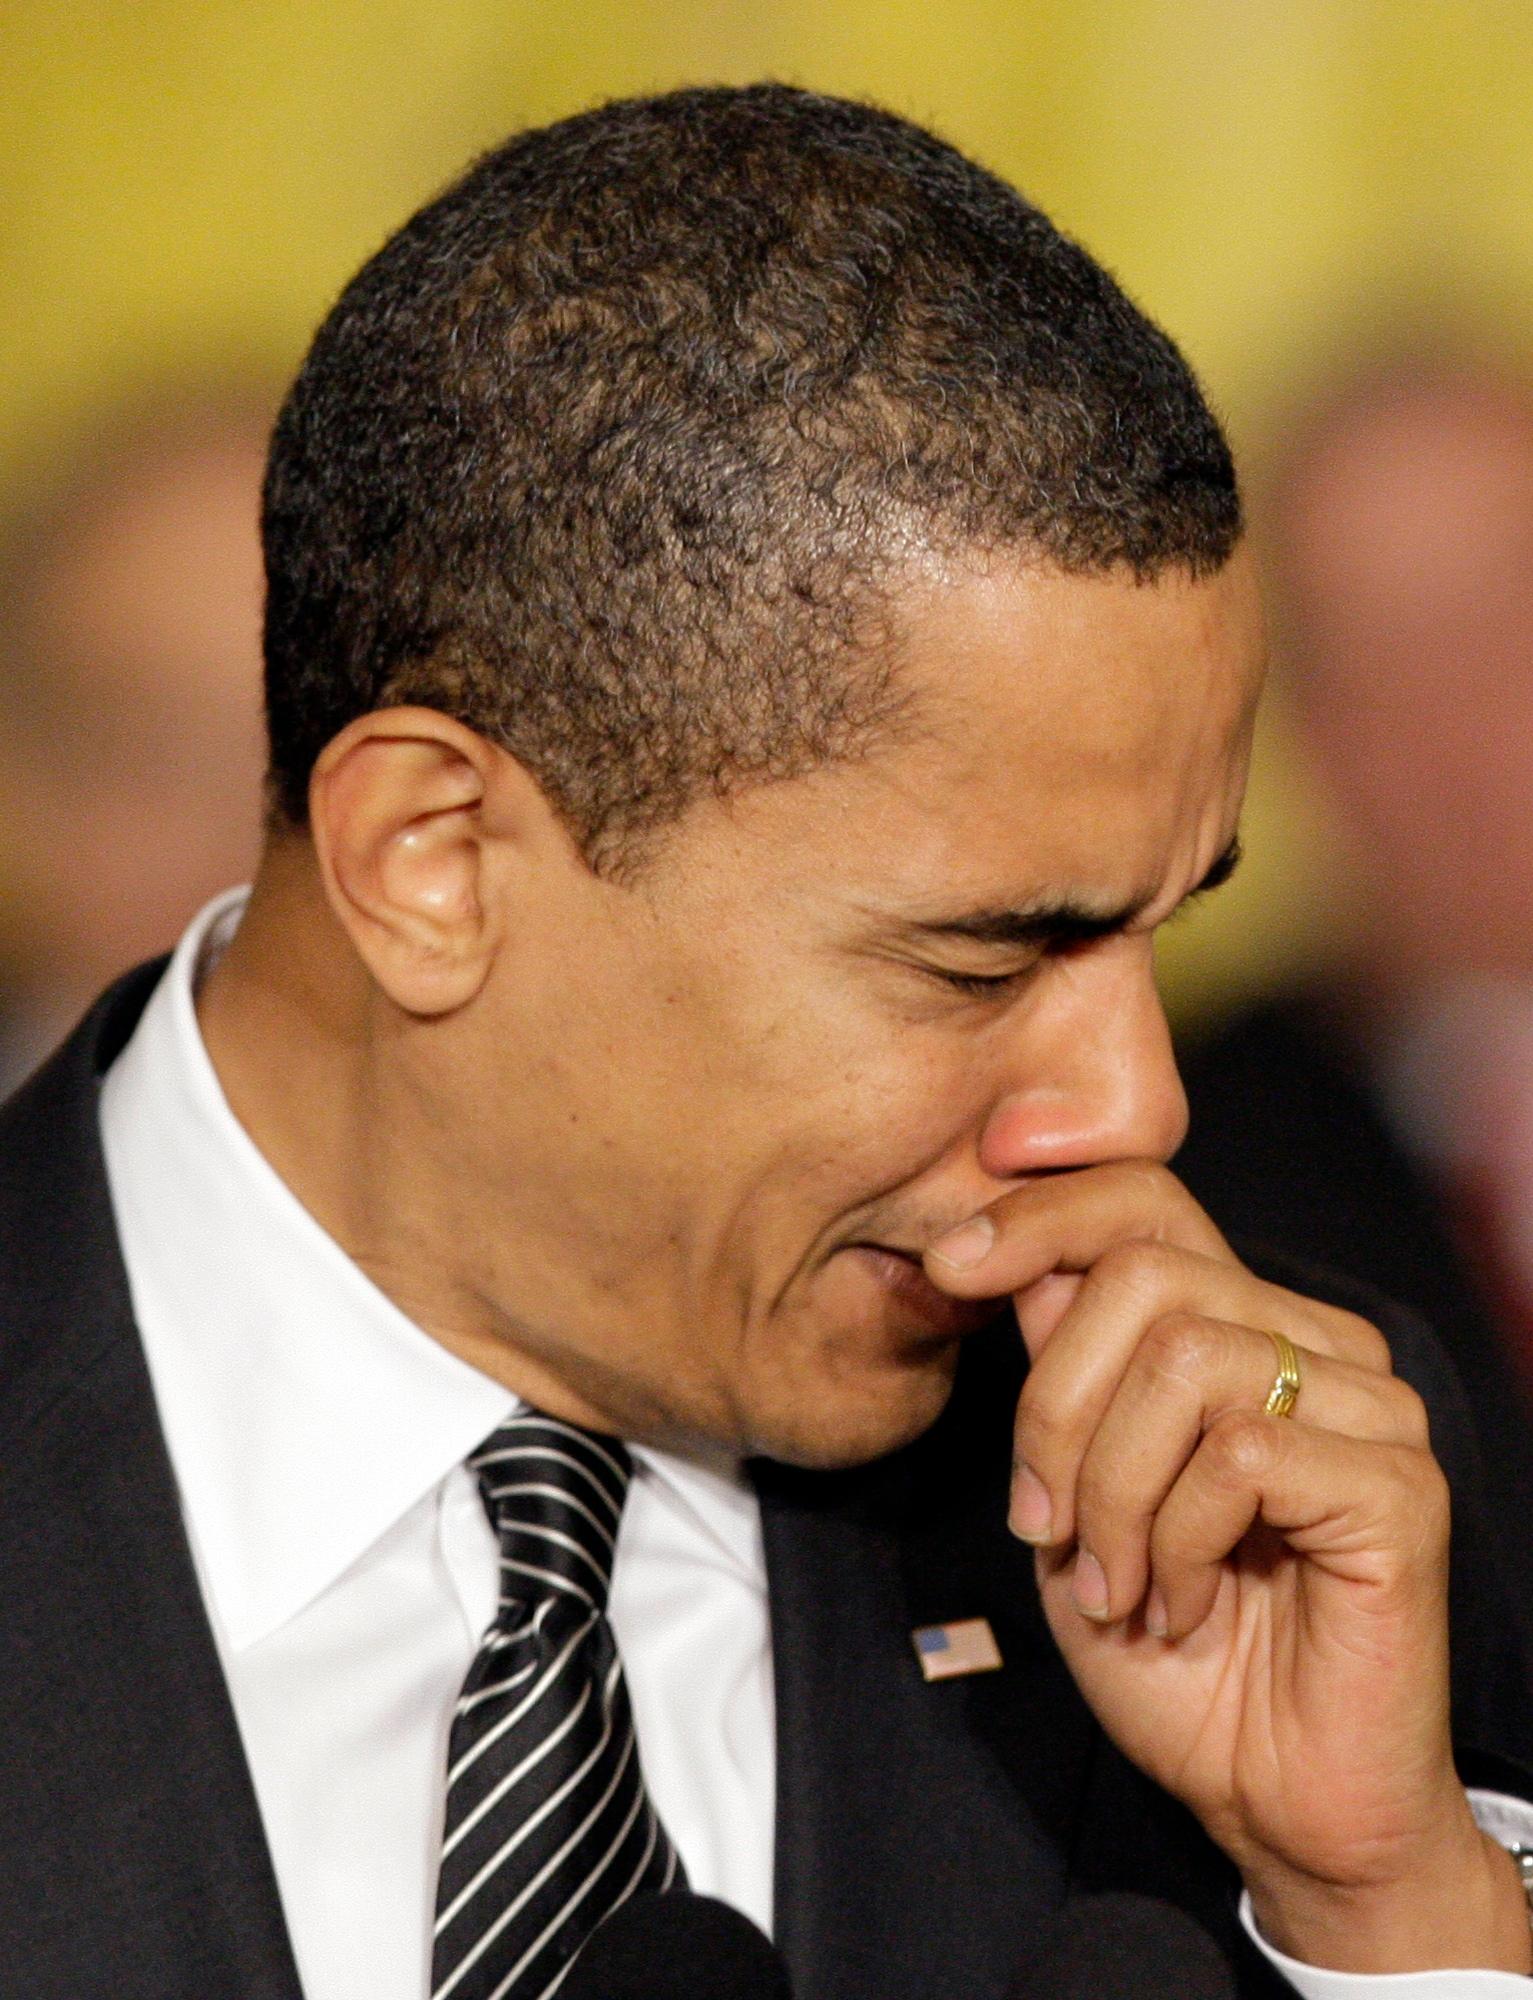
(843, 1417)
(867, 1363)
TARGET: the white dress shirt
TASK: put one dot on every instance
(348, 1568)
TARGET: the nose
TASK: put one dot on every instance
(1100, 1080)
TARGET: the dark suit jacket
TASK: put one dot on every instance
(924, 1832)
(1289, 1149)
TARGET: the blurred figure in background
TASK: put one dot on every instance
(130, 737)
(1382, 1122)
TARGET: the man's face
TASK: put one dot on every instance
(838, 1014)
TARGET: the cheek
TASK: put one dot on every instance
(744, 1106)
(895, 1116)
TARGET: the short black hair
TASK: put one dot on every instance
(610, 450)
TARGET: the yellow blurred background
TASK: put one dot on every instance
(182, 184)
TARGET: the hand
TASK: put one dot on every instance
(1254, 1606)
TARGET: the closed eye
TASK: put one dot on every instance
(980, 984)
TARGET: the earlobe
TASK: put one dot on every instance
(396, 814)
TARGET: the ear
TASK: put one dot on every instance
(407, 813)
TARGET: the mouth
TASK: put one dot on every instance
(901, 1276)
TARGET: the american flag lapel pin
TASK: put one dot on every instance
(966, 1647)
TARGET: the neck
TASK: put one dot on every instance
(323, 1073)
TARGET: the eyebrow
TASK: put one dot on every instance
(1064, 923)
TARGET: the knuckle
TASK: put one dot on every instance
(1421, 1507)
(1151, 1178)
(1427, 1491)
(1138, 1269)
(1440, 1506)
(1240, 1446)
(1182, 1347)
(1365, 1345)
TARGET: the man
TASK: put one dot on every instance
(757, 640)
(130, 671)
(1400, 1082)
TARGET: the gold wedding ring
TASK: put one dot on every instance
(1284, 1392)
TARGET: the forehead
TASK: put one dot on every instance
(1085, 733)
(1070, 667)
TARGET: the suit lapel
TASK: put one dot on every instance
(131, 1848)
(923, 1830)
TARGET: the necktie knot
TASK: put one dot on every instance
(554, 1494)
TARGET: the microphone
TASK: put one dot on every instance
(676, 1945)
(1121, 1947)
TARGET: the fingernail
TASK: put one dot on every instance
(965, 1246)
(1156, 1622)
(1031, 1508)
(1088, 1585)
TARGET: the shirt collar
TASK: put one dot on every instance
(711, 1487)
(304, 1413)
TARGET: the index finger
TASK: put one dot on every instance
(1064, 1223)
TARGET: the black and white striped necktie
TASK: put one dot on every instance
(548, 1826)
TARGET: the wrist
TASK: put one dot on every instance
(1460, 1905)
